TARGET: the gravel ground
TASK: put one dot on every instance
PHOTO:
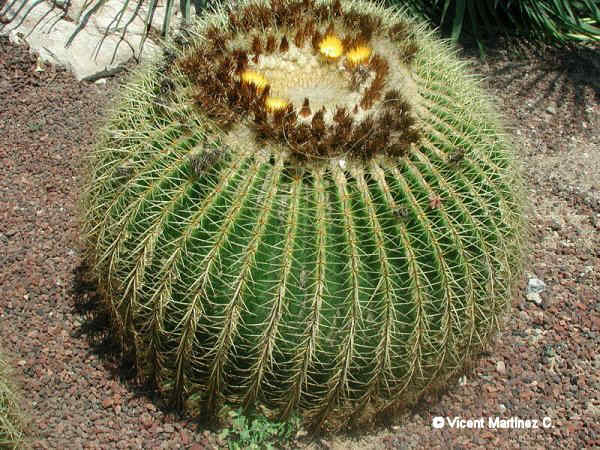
(544, 364)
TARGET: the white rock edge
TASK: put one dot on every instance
(100, 49)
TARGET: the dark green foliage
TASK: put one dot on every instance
(249, 430)
(556, 21)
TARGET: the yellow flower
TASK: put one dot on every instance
(275, 104)
(358, 55)
(255, 78)
(331, 47)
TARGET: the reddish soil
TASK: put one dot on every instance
(544, 364)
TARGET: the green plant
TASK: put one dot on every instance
(557, 21)
(306, 205)
(11, 418)
(256, 431)
(34, 126)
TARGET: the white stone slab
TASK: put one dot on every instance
(91, 55)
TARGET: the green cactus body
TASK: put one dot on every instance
(310, 206)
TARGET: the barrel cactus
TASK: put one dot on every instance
(306, 205)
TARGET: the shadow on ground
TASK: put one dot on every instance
(562, 76)
(96, 329)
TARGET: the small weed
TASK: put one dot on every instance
(35, 126)
(255, 431)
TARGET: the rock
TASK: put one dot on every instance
(592, 410)
(535, 286)
(301, 433)
(586, 271)
(538, 317)
(99, 49)
(184, 437)
(555, 224)
(146, 420)
(325, 444)
(39, 65)
(534, 297)
(551, 110)
(501, 367)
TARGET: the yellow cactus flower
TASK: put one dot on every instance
(255, 78)
(331, 47)
(358, 55)
(275, 103)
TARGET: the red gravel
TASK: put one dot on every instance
(545, 363)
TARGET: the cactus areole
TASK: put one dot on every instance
(304, 205)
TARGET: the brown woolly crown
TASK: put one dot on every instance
(313, 77)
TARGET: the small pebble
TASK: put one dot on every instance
(301, 433)
(501, 367)
(535, 285)
(534, 297)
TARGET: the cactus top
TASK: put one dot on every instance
(325, 81)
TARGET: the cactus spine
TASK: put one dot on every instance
(318, 214)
